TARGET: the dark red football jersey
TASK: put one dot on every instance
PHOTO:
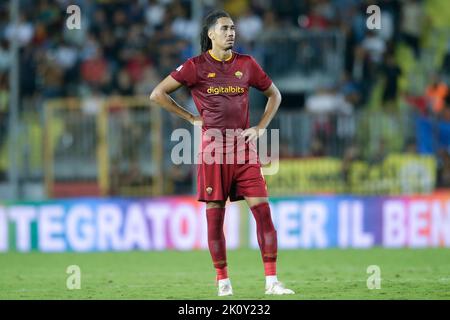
(220, 88)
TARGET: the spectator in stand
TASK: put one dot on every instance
(136, 66)
(99, 22)
(374, 46)
(4, 56)
(368, 58)
(317, 17)
(328, 100)
(391, 73)
(51, 77)
(23, 32)
(94, 71)
(350, 89)
(251, 26)
(358, 21)
(412, 24)
(388, 23)
(183, 26)
(122, 83)
(289, 11)
(150, 78)
(154, 16)
(324, 106)
(436, 92)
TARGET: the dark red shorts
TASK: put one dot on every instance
(217, 182)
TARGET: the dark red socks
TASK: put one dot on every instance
(216, 241)
(266, 234)
(267, 237)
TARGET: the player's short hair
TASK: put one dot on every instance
(208, 22)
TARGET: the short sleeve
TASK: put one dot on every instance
(186, 74)
(258, 78)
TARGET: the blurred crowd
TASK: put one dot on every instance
(125, 47)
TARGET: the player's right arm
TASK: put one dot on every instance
(160, 96)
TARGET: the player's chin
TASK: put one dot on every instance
(229, 46)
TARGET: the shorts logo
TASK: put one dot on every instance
(211, 75)
(209, 190)
(238, 74)
(179, 68)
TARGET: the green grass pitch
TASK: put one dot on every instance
(313, 274)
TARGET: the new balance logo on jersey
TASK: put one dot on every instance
(225, 90)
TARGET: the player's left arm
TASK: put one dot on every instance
(273, 102)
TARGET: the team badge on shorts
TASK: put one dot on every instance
(238, 74)
(209, 190)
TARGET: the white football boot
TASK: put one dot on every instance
(225, 288)
(277, 288)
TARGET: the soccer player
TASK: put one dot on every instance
(219, 81)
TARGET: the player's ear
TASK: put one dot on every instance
(211, 34)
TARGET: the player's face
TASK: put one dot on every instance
(223, 33)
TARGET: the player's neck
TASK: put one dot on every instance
(220, 55)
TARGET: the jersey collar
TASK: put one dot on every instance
(214, 58)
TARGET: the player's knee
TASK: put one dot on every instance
(264, 220)
(255, 201)
(215, 204)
